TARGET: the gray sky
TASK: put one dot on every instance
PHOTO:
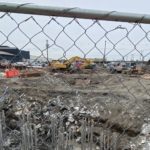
(124, 47)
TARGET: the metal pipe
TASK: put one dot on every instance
(74, 12)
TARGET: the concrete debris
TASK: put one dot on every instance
(145, 129)
(43, 113)
(49, 108)
(70, 118)
(36, 111)
(142, 142)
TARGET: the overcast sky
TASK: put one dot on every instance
(135, 6)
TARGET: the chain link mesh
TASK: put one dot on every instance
(87, 109)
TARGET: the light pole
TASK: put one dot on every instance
(132, 57)
(104, 57)
(47, 45)
(142, 58)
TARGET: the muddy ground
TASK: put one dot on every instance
(115, 102)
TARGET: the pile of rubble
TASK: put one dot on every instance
(46, 122)
(46, 117)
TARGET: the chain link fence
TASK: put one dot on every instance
(104, 106)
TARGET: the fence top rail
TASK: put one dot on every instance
(29, 8)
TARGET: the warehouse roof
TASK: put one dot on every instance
(5, 53)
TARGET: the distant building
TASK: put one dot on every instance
(13, 54)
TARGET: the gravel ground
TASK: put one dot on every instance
(116, 103)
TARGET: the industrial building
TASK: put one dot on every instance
(13, 54)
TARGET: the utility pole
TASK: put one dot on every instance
(47, 46)
(132, 57)
(141, 57)
(104, 57)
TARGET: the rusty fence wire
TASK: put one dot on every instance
(87, 109)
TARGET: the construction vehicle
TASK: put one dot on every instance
(88, 64)
(126, 68)
(72, 60)
(72, 63)
(116, 67)
(64, 65)
(138, 69)
(57, 65)
(79, 63)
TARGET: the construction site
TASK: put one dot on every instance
(82, 101)
(73, 102)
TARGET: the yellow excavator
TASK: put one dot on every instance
(66, 64)
(57, 65)
(87, 64)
